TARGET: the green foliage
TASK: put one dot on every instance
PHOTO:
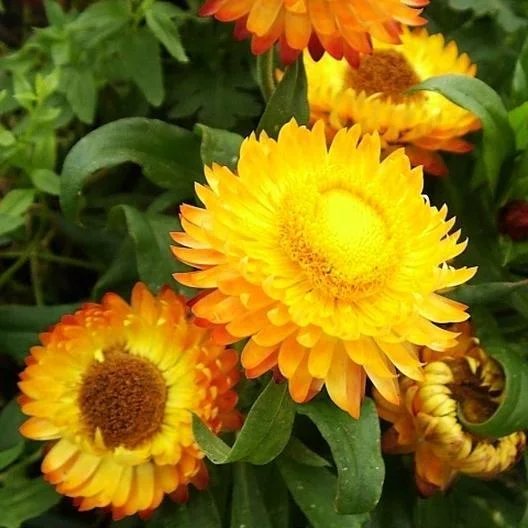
(109, 110)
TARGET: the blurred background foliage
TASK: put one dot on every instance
(74, 227)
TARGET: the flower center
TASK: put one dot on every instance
(477, 392)
(124, 397)
(341, 240)
(384, 72)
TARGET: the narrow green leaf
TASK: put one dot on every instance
(248, 509)
(355, 446)
(266, 73)
(24, 500)
(520, 76)
(512, 414)
(54, 13)
(169, 156)
(274, 493)
(166, 29)
(312, 488)
(199, 512)
(141, 56)
(219, 146)
(81, 93)
(289, 100)
(150, 234)
(46, 181)
(518, 117)
(265, 433)
(477, 97)
(11, 441)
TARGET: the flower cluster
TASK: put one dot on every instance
(320, 250)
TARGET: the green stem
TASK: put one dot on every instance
(67, 261)
(35, 280)
(9, 272)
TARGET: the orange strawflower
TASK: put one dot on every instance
(427, 424)
(113, 387)
(341, 27)
(375, 96)
(327, 258)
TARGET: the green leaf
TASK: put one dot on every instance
(200, 511)
(248, 509)
(54, 13)
(519, 122)
(141, 57)
(165, 29)
(150, 234)
(219, 146)
(512, 414)
(355, 446)
(486, 293)
(266, 73)
(169, 156)
(274, 493)
(501, 9)
(11, 441)
(298, 452)
(265, 432)
(17, 202)
(20, 326)
(477, 97)
(13, 207)
(81, 93)
(520, 77)
(46, 181)
(24, 500)
(289, 100)
(312, 488)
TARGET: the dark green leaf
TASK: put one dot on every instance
(477, 97)
(265, 433)
(25, 499)
(200, 511)
(512, 414)
(11, 441)
(165, 29)
(487, 293)
(355, 446)
(274, 493)
(248, 509)
(142, 60)
(219, 146)
(298, 452)
(266, 73)
(520, 77)
(312, 488)
(501, 9)
(150, 234)
(169, 156)
(20, 326)
(289, 100)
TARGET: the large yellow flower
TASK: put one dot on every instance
(326, 257)
(373, 95)
(427, 423)
(113, 387)
(341, 27)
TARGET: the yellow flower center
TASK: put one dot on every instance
(384, 72)
(340, 239)
(124, 397)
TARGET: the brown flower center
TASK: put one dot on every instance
(384, 72)
(478, 399)
(124, 397)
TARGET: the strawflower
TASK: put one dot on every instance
(374, 96)
(341, 27)
(427, 423)
(113, 388)
(327, 258)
